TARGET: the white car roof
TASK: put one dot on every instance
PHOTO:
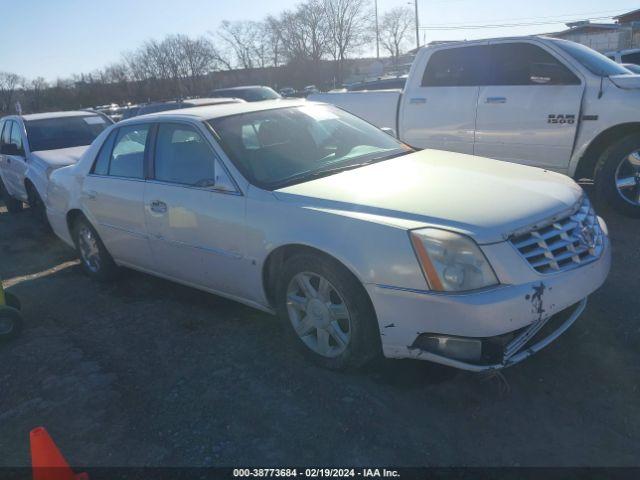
(216, 111)
(47, 115)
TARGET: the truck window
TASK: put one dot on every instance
(631, 58)
(457, 67)
(595, 62)
(527, 64)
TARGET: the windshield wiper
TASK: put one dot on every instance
(330, 171)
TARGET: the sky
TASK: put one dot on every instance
(57, 38)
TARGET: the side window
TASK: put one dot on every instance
(127, 158)
(183, 156)
(3, 125)
(16, 136)
(6, 132)
(101, 164)
(457, 67)
(527, 64)
(631, 58)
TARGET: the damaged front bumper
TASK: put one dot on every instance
(520, 346)
(509, 322)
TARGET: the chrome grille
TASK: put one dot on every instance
(563, 244)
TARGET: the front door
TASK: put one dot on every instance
(529, 111)
(439, 107)
(113, 196)
(195, 230)
(15, 166)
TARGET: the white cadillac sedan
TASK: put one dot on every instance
(362, 244)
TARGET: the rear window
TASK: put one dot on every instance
(64, 132)
(457, 67)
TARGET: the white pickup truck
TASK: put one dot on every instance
(533, 100)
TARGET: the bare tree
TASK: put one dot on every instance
(395, 30)
(349, 25)
(244, 40)
(9, 83)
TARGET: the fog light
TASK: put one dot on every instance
(468, 349)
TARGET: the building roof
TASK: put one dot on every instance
(587, 27)
(632, 13)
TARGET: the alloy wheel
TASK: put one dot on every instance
(89, 249)
(628, 178)
(318, 314)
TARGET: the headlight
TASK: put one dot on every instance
(451, 262)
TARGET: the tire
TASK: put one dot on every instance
(37, 206)
(13, 205)
(613, 167)
(94, 257)
(340, 303)
(10, 323)
(12, 301)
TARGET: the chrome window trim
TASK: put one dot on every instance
(192, 187)
(114, 177)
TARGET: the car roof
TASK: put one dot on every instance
(242, 87)
(210, 112)
(213, 101)
(47, 115)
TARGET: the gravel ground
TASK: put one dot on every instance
(145, 372)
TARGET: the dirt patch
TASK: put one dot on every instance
(145, 372)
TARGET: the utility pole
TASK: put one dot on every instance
(415, 2)
(377, 31)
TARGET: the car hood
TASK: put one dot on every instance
(60, 157)
(626, 82)
(486, 199)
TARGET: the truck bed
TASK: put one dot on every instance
(378, 107)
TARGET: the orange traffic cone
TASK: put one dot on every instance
(47, 461)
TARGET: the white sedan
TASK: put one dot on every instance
(362, 244)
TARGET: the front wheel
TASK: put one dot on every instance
(13, 205)
(37, 206)
(617, 175)
(94, 257)
(328, 313)
(10, 323)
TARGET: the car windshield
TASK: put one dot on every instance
(64, 132)
(593, 61)
(284, 146)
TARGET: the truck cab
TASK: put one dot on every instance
(538, 101)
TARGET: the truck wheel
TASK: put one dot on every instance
(13, 205)
(94, 257)
(617, 175)
(327, 312)
(10, 323)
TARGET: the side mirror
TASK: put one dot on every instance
(389, 131)
(10, 149)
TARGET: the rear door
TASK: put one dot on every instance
(113, 195)
(196, 229)
(439, 105)
(529, 111)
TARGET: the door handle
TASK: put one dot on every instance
(91, 194)
(158, 206)
(496, 100)
(8, 159)
(418, 100)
